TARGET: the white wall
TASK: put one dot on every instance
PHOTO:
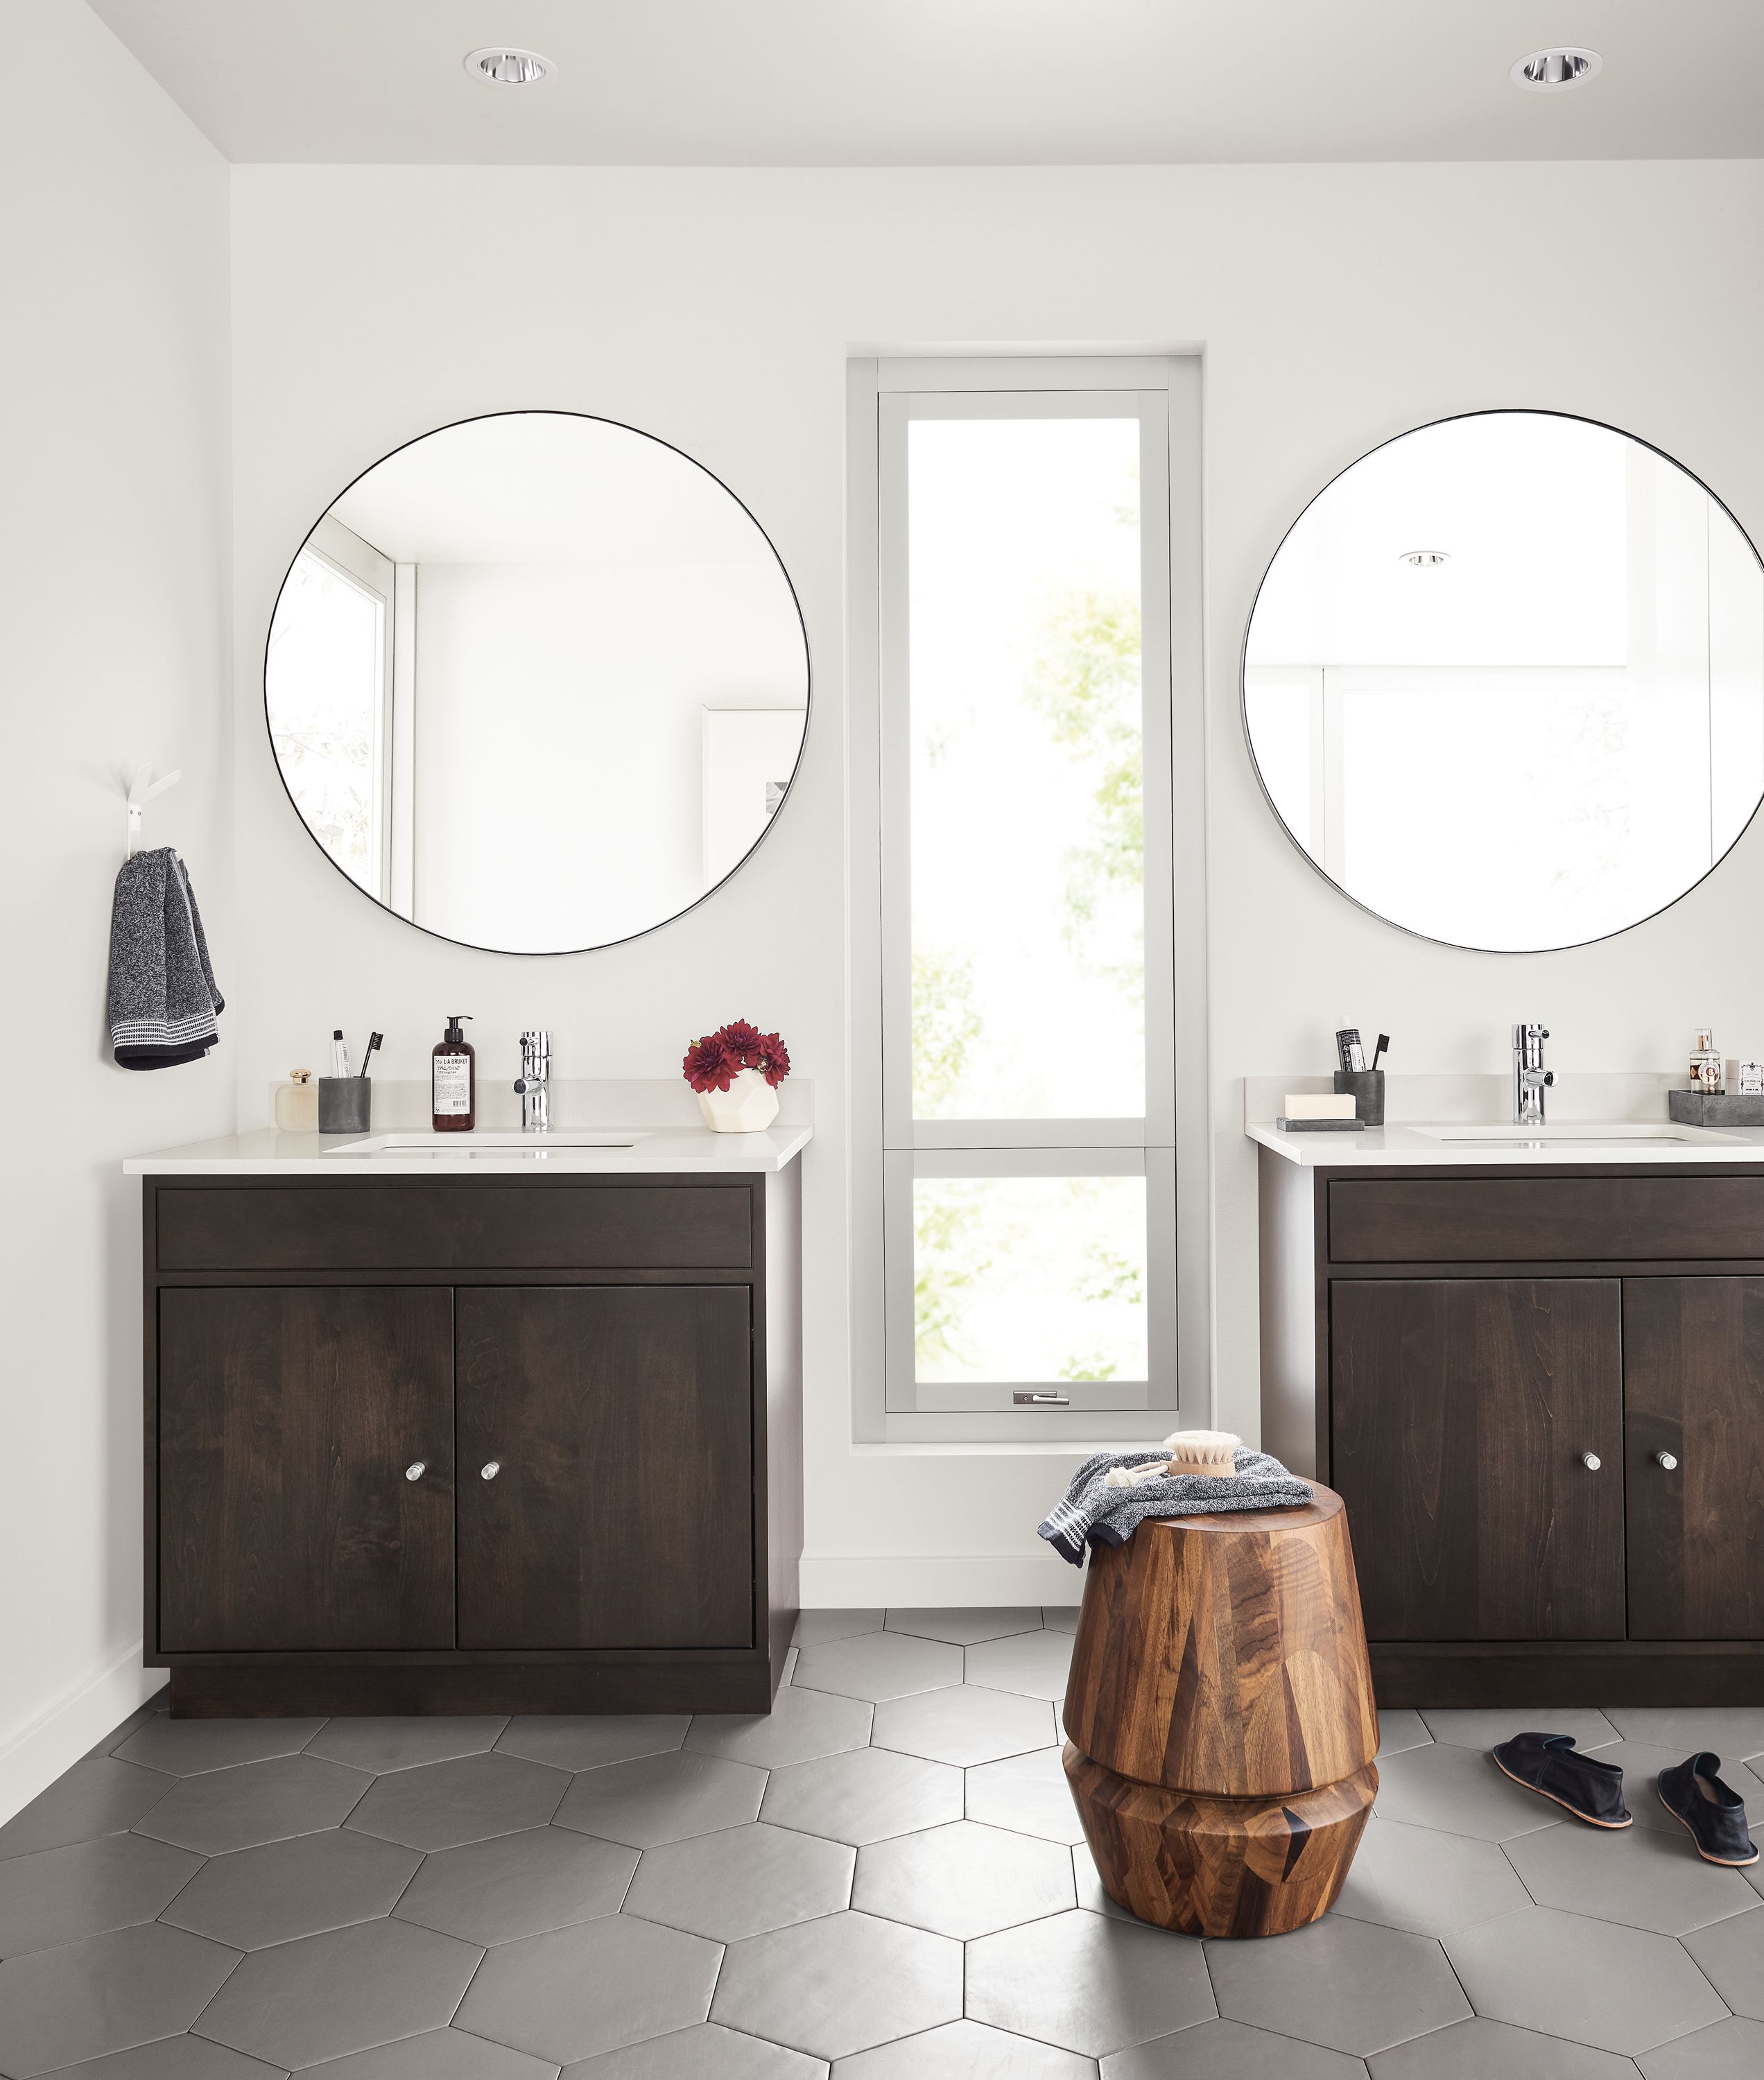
(1335, 305)
(114, 569)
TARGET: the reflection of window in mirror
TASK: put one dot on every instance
(749, 756)
(330, 669)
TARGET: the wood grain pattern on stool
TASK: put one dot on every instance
(1222, 1720)
(1220, 1866)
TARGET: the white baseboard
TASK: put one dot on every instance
(921, 1581)
(54, 1741)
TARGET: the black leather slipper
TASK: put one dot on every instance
(1692, 1790)
(1548, 1764)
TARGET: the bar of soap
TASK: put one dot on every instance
(1318, 1104)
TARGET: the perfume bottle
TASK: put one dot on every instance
(1708, 1072)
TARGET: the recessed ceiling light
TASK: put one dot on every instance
(502, 66)
(1426, 560)
(1555, 71)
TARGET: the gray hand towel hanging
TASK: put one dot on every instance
(162, 994)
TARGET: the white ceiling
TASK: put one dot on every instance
(945, 82)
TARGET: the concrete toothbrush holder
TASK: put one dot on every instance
(346, 1105)
(1365, 1087)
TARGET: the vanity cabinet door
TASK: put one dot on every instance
(1694, 1391)
(1459, 1409)
(287, 1419)
(618, 1421)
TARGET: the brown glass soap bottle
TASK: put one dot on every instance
(453, 1076)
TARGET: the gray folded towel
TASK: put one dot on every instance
(163, 993)
(1093, 1513)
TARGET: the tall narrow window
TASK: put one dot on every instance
(1028, 1081)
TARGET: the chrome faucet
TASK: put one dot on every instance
(534, 1083)
(1531, 1078)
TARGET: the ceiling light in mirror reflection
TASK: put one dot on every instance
(1558, 733)
(537, 682)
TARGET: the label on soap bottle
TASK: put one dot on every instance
(453, 1083)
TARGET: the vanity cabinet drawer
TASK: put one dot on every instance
(1563, 1220)
(531, 1226)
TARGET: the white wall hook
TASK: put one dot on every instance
(141, 791)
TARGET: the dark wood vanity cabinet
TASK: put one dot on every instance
(1541, 1396)
(377, 1485)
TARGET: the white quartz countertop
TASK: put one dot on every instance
(686, 1151)
(1626, 1143)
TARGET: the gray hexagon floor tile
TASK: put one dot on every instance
(707, 2052)
(1731, 1956)
(877, 1665)
(1730, 2050)
(815, 1628)
(587, 1742)
(863, 1797)
(1223, 2050)
(591, 1988)
(965, 2050)
(1348, 1985)
(1481, 1728)
(963, 1880)
(1480, 2049)
(1061, 1617)
(287, 1889)
(1028, 1793)
(1596, 1983)
(662, 1798)
(59, 1895)
(801, 1725)
(1035, 1664)
(186, 1748)
(741, 1881)
(379, 1745)
(965, 1724)
(104, 1994)
(437, 2054)
(1736, 1731)
(1092, 1985)
(1401, 1730)
(512, 1885)
(96, 1796)
(324, 1995)
(258, 1802)
(1644, 1879)
(965, 1627)
(1641, 1763)
(172, 2058)
(840, 1984)
(440, 1805)
(1460, 1792)
(1428, 1882)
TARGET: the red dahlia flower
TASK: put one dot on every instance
(771, 1058)
(743, 1041)
(709, 1066)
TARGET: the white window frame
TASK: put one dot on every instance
(1169, 1147)
(371, 572)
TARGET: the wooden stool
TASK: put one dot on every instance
(1221, 1718)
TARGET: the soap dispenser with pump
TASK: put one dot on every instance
(453, 1077)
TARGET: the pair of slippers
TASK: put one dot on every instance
(1691, 1790)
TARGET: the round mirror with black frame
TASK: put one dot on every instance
(1504, 681)
(537, 682)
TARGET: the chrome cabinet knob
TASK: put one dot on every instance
(1591, 1462)
(416, 1469)
(1667, 1460)
(491, 1468)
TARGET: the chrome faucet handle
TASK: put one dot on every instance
(534, 1082)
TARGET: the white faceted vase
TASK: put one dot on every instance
(748, 1105)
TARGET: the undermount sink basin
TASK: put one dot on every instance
(536, 1146)
(1584, 1133)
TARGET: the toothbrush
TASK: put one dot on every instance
(374, 1040)
(1383, 1041)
